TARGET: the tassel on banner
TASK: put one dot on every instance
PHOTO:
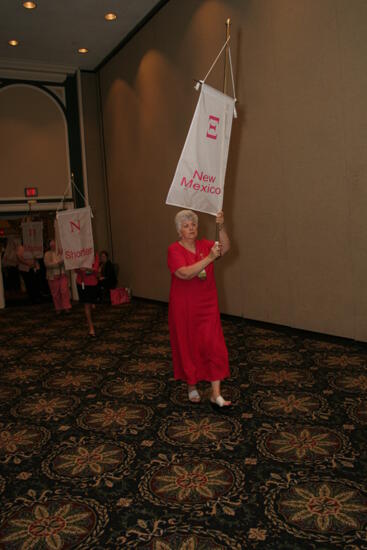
(234, 109)
(233, 86)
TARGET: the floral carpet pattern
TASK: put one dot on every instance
(100, 448)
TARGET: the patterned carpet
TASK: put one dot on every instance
(100, 449)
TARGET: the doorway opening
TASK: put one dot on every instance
(10, 237)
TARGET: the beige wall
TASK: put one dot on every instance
(94, 167)
(33, 143)
(296, 194)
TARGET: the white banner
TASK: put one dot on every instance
(76, 237)
(32, 233)
(199, 179)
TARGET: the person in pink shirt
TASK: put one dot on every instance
(57, 278)
(87, 283)
(29, 269)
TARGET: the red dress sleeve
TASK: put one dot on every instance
(175, 258)
(95, 266)
(208, 244)
(90, 278)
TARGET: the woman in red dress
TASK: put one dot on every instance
(198, 348)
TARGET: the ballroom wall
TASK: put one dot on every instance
(49, 130)
(296, 194)
(33, 141)
(94, 160)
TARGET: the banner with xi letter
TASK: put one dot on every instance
(32, 235)
(198, 182)
(76, 237)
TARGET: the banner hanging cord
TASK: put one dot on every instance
(213, 65)
(199, 82)
(80, 193)
(61, 203)
(233, 86)
(72, 182)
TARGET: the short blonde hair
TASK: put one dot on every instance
(183, 216)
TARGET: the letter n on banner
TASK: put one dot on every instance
(76, 237)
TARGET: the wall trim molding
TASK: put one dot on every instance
(25, 70)
(5, 83)
(23, 207)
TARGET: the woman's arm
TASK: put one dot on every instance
(223, 236)
(48, 262)
(21, 259)
(191, 271)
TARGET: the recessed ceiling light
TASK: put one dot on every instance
(83, 50)
(29, 5)
(110, 16)
(13, 42)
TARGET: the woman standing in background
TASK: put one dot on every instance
(29, 269)
(107, 275)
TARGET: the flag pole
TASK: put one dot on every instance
(228, 25)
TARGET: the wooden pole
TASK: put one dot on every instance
(226, 55)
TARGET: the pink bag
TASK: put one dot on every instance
(119, 296)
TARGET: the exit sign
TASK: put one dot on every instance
(31, 192)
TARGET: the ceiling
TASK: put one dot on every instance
(50, 35)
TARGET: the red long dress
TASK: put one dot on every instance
(199, 351)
